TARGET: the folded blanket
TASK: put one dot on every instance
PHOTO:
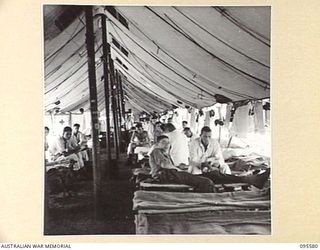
(157, 202)
(212, 222)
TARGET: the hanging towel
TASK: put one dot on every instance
(258, 118)
(228, 116)
(207, 119)
(242, 122)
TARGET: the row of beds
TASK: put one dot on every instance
(236, 209)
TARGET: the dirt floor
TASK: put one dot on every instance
(75, 215)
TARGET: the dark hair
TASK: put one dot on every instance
(162, 126)
(76, 125)
(46, 128)
(186, 129)
(158, 123)
(67, 129)
(185, 122)
(160, 137)
(169, 127)
(139, 125)
(205, 129)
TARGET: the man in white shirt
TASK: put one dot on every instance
(62, 149)
(205, 154)
(79, 136)
(78, 141)
(164, 170)
(179, 150)
(207, 161)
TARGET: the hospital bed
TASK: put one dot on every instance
(241, 212)
(237, 209)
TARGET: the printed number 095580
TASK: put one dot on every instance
(308, 245)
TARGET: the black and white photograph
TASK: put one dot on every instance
(156, 120)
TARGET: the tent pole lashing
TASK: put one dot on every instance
(94, 112)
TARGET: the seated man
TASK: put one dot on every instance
(61, 149)
(205, 154)
(164, 171)
(139, 138)
(78, 142)
(79, 136)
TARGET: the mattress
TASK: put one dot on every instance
(242, 212)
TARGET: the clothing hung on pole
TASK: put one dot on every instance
(242, 123)
(258, 118)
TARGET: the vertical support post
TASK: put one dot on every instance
(119, 110)
(119, 99)
(106, 73)
(114, 109)
(94, 111)
(70, 119)
(122, 97)
(220, 116)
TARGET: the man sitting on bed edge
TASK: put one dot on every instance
(164, 171)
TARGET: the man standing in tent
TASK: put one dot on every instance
(61, 149)
(179, 150)
(206, 155)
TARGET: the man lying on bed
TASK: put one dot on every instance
(164, 171)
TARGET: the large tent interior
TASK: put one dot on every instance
(207, 65)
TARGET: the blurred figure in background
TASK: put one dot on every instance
(184, 124)
(78, 135)
(188, 133)
(78, 141)
(157, 131)
(179, 150)
(139, 138)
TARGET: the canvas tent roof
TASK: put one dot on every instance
(166, 55)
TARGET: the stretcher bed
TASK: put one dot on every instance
(237, 209)
(241, 212)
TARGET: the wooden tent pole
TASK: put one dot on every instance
(119, 110)
(94, 111)
(121, 97)
(220, 125)
(119, 101)
(114, 109)
(106, 73)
